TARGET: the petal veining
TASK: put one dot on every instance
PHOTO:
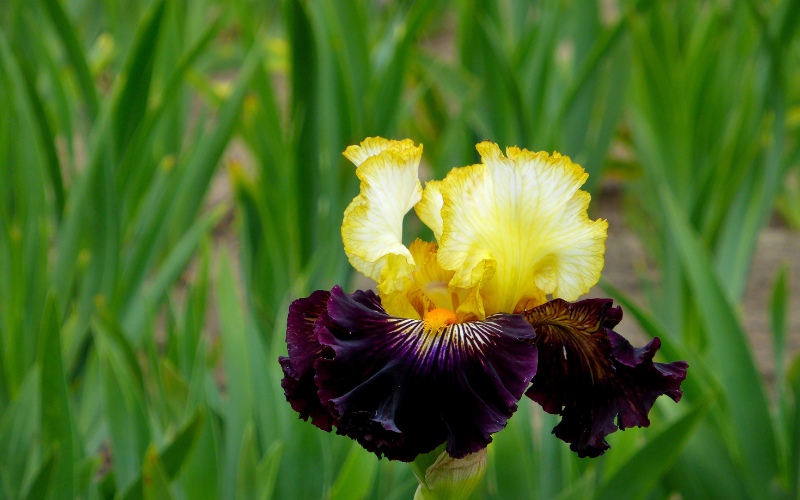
(518, 225)
(401, 389)
(592, 376)
(372, 229)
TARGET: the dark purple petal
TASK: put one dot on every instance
(400, 390)
(304, 350)
(592, 376)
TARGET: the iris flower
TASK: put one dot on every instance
(461, 329)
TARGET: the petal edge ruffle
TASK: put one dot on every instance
(298, 367)
(592, 376)
(401, 391)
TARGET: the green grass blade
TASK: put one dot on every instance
(109, 329)
(304, 82)
(137, 73)
(702, 379)
(178, 204)
(355, 478)
(131, 167)
(729, 353)
(779, 303)
(46, 134)
(56, 415)
(69, 39)
(19, 427)
(126, 416)
(199, 475)
(145, 302)
(155, 481)
(173, 456)
(248, 461)
(637, 478)
(601, 47)
(235, 356)
(267, 471)
(201, 165)
(42, 483)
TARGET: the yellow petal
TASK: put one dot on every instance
(372, 229)
(517, 226)
(406, 303)
(373, 146)
(429, 209)
(430, 278)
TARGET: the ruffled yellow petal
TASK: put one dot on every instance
(372, 229)
(429, 209)
(373, 146)
(517, 227)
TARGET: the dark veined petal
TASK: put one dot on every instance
(592, 376)
(298, 367)
(401, 390)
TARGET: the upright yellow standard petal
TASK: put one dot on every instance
(372, 229)
(373, 146)
(517, 227)
(429, 209)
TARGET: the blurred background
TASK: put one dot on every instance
(171, 178)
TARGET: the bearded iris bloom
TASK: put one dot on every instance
(461, 329)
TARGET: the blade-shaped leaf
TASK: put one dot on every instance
(729, 353)
(636, 479)
(56, 415)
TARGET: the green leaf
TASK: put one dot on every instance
(145, 302)
(239, 407)
(199, 475)
(248, 461)
(602, 46)
(18, 429)
(131, 102)
(172, 457)
(154, 478)
(200, 167)
(106, 325)
(56, 415)
(706, 470)
(356, 476)
(267, 471)
(729, 353)
(125, 414)
(702, 379)
(636, 479)
(75, 53)
(46, 134)
(40, 486)
(175, 387)
(778, 313)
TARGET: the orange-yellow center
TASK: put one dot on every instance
(438, 319)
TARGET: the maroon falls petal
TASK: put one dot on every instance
(401, 389)
(592, 376)
(298, 367)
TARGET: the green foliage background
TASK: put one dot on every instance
(138, 357)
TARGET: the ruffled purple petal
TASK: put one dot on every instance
(298, 368)
(594, 378)
(400, 390)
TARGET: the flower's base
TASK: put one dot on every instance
(448, 478)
